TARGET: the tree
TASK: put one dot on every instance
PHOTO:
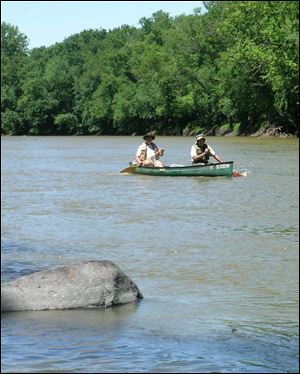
(234, 67)
(14, 55)
(259, 69)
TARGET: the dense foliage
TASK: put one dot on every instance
(233, 68)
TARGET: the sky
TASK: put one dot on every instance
(47, 22)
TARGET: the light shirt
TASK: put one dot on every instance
(194, 152)
(150, 151)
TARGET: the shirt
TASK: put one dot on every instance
(150, 151)
(194, 151)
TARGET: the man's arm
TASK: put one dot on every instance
(194, 155)
(138, 155)
(212, 153)
(198, 157)
(216, 157)
(159, 153)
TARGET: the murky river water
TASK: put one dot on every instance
(215, 258)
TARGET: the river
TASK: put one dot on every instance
(215, 258)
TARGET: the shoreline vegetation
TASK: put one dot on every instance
(262, 133)
(229, 70)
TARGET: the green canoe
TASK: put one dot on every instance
(208, 170)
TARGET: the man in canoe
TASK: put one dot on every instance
(148, 153)
(201, 152)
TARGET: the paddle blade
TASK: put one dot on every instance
(238, 174)
(129, 170)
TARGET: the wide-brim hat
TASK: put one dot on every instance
(149, 135)
(201, 136)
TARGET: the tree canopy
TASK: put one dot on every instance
(232, 68)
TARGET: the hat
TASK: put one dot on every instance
(200, 137)
(148, 135)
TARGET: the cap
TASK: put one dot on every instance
(198, 137)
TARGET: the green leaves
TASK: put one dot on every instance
(13, 59)
(234, 65)
(66, 123)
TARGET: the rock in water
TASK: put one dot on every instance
(83, 285)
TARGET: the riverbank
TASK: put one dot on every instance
(263, 132)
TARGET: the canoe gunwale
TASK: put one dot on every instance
(182, 167)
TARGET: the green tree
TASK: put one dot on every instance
(259, 69)
(14, 55)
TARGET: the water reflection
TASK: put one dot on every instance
(79, 319)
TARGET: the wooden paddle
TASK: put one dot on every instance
(238, 174)
(129, 169)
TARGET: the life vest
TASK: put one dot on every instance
(143, 155)
(200, 150)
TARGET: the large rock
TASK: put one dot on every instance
(83, 285)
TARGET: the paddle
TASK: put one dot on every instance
(238, 174)
(129, 169)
